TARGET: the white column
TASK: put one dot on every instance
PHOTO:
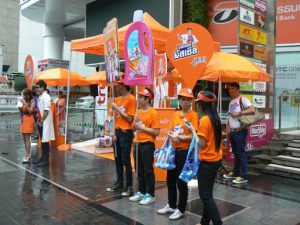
(1, 59)
(53, 41)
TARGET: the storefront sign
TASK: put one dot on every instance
(246, 86)
(246, 49)
(46, 64)
(189, 48)
(138, 58)
(260, 53)
(287, 76)
(261, 6)
(259, 101)
(111, 51)
(259, 134)
(259, 21)
(247, 16)
(249, 3)
(252, 34)
(259, 86)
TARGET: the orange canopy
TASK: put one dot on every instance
(173, 76)
(98, 78)
(59, 77)
(95, 45)
(232, 68)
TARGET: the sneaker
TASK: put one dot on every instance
(176, 215)
(127, 192)
(115, 187)
(165, 210)
(147, 199)
(138, 196)
(229, 176)
(240, 180)
(25, 160)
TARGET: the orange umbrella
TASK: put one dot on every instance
(228, 67)
(98, 78)
(173, 76)
(59, 77)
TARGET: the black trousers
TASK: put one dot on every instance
(145, 169)
(122, 156)
(206, 177)
(45, 145)
(174, 182)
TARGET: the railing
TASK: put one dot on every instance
(289, 111)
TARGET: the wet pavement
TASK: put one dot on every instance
(72, 191)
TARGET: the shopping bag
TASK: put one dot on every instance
(166, 156)
(191, 165)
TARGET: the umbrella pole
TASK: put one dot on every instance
(114, 120)
(68, 95)
(136, 134)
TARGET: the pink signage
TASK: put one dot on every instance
(261, 6)
(138, 56)
(259, 134)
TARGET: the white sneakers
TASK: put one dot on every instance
(138, 196)
(176, 214)
(142, 199)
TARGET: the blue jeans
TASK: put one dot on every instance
(122, 156)
(238, 144)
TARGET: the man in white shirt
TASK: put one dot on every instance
(238, 106)
(45, 123)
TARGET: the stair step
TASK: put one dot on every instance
(283, 171)
(284, 168)
(263, 158)
(294, 143)
(293, 149)
(287, 161)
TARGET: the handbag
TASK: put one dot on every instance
(166, 156)
(190, 168)
(248, 120)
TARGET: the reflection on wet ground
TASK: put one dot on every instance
(72, 191)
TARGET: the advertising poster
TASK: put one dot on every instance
(259, 101)
(160, 65)
(251, 34)
(29, 71)
(101, 105)
(138, 57)
(111, 51)
(189, 48)
(259, 86)
(160, 70)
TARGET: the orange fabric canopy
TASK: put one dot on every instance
(232, 68)
(95, 45)
(59, 77)
(98, 78)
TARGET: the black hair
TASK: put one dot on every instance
(42, 83)
(210, 110)
(234, 84)
(127, 87)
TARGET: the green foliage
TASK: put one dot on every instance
(20, 84)
(196, 11)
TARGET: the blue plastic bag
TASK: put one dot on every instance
(166, 156)
(191, 165)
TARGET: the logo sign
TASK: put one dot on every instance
(259, 101)
(249, 3)
(259, 21)
(252, 34)
(258, 130)
(189, 48)
(246, 49)
(138, 58)
(247, 16)
(110, 34)
(259, 86)
(260, 53)
(261, 6)
(29, 71)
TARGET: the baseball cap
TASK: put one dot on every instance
(186, 92)
(146, 92)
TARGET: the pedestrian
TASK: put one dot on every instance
(124, 109)
(45, 122)
(27, 108)
(147, 127)
(238, 106)
(210, 155)
(181, 138)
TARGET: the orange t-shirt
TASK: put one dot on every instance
(149, 119)
(177, 125)
(128, 105)
(208, 152)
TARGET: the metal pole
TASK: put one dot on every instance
(136, 133)
(68, 95)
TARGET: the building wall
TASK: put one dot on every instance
(9, 32)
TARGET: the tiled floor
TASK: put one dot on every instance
(72, 191)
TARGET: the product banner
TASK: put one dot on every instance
(160, 70)
(29, 71)
(160, 64)
(252, 34)
(189, 48)
(139, 55)
(259, 135)
(111, 51)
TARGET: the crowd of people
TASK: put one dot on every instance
(141, 127)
